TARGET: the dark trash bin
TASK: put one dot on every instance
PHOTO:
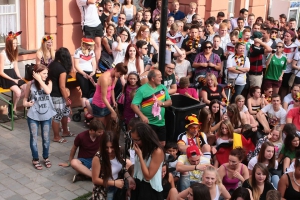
(182, 106)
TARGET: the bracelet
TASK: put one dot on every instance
(114, 182)
(69, 164)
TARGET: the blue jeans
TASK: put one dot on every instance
(45, 133)
(184, 182)
(111, 192)
(275, 180)
(238, 90)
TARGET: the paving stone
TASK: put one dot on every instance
(80, 192)
(16, 175)
(50, 195)
(32, 196)
(15, 197)
(67, 195)
(24, 180)
(41, 190)
(2, 187)
(7, 193)
(24, 191)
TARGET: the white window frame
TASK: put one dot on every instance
(17, 2)
(231, 7)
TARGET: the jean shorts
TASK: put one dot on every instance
(100, 112)
(86, 162)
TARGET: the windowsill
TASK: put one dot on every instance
(22, 51)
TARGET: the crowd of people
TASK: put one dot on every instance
(244, 142)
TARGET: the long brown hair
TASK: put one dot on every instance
(137, 57)
(203, 118)
(139, 33)
(11, 54)
(229, 126)
(236, 117)
(37, 69)
(108, 136)
(261, 156)
(252, 181)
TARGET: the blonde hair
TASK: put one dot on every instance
(228, 124)
(223, 25)
(238, 98)
(84, 48)
(44, 49)
(212, 169)
(278, 128)
(213, 77)
(193, 4)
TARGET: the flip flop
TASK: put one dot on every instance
(61, 140)
(69, 135)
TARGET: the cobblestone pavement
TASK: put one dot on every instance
(20, 180)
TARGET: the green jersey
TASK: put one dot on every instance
(146, 96)
(275, 68)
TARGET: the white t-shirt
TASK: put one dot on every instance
(274, 118)
(177, 39)
(85, 62)
(240, 78)
(224, 41)
(155, 35)
(253, 161)
(181, 69)
(132, 66)
(119, 55)
(289, 52)
(288, 99)
(89, 14)
(297, 58)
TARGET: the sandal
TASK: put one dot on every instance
(69, 135)
(47, 163)
(37, 165)
(61, 140)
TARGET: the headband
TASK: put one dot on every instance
(11, 35)
(46, 38)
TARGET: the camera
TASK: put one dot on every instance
(273, 50)
(293, 29)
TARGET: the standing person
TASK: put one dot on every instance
(193, 7)
(106, 165)
(58, 71)
(276, 66)
(129, 10)
(144, 34)
(238, 65)
(288, 184)
(133, 60)
(85, 65)
(104, 97)
(259, 183)
(107, 41)
(296, 67)
(176, 13)
(120, 45)
(37, 97)
(45, 55)
(153, 97)
(91, 24)
(10, 77)
(149, 157)
(243, 15)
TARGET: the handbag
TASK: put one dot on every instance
(29, 71)
(292, 79)
(106, 61)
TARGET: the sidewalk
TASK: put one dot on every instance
(20, 180)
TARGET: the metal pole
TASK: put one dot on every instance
(163, 33)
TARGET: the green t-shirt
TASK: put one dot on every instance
(275, 68)
(288, 153)
(144, 97)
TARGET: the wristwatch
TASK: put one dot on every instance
(163, 104)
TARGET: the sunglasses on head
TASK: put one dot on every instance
(279, 46)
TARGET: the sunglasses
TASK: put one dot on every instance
(208, 47)
(274, 32)
(279, 46)
(121, 18)
(194, 128)
(100, 10)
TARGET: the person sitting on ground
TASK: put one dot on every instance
(288, 99)
(191, 167)
(184, 89)
(88, 144)
(171, 148)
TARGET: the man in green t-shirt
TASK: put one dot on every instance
(151, 97)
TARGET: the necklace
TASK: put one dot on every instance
(295, 180)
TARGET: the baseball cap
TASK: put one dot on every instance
(256, 34)
(192, 151)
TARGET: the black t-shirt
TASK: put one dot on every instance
(220, 53)
(268, 186)
(211, 95)
(103, 18)
(191, 57)
(55, 69)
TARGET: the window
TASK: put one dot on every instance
(231, 8)
(9, 18)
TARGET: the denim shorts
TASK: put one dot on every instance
(100, 112)
(86, 162)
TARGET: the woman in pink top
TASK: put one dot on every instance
(184, 89)
(104, 97)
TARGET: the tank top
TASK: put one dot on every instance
(116, 167)
(290, 192)
(97, 99)
(217, 193)
(110, 41)
(213, 94)
(128, 12)
(156, 180)
(166, 189)
(231, 183)
(7, 63)
(256, 108)
(43, 62)
(42, 108)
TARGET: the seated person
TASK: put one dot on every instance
(88, 144)
(169, 78)
(184, 89)
(192, 137)
(272, 114)
(293, 114)
(191, 167)
(182, 66)
(288, 99)
(171, 148)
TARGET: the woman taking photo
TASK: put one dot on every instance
(238, 65)
(40, 112)
(106, 166)
(276, 65)
(85, 66)
(255, 102)
(211, 90)
(45, 55)
(58, 71)
(266, 156)
(216, 115)
(211, 179)
(234, 172)
(148, 163)
(289, 183)
(144, 34)
(206, 62)
(129, 10)
(258, 182)
(119, 47)
(10, 77)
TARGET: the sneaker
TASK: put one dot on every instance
(78, 177)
